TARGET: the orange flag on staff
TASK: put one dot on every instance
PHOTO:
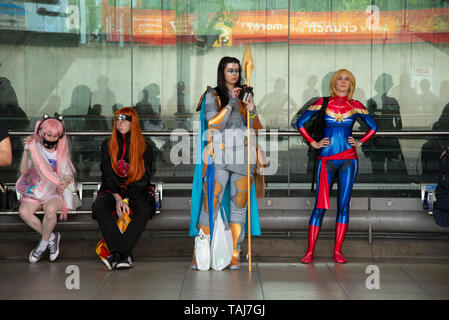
(248, 64)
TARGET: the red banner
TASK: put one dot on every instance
(164, 27)
(155, 27)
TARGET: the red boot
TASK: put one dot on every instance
(340, 232)
(313, 236)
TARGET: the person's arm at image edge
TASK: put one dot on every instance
(5, 152)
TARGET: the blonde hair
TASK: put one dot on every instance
(333, 81)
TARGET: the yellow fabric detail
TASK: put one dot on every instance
(217, 121)
(241, 198)
(236, 229)
(198, 108)
(101, 244)
(204, 168)
(314, 108)
(218, 102)
(217, 190)
(123, 223)
(205, 203)
(259, 175)
(362, 111)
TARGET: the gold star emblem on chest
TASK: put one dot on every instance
(338, 117)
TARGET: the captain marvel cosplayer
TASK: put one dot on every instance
(337, 156)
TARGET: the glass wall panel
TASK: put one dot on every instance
(85, 59)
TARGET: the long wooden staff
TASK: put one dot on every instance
(249, 190)
(248, 67)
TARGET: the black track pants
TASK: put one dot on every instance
(102, 211)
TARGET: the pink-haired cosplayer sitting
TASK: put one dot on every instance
(50, 157)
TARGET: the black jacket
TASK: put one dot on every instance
(112, 182)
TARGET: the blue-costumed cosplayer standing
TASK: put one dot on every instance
(337, 158)
(220, 180)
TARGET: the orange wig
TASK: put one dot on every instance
(136, 149)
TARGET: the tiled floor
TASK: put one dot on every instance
(173, 280)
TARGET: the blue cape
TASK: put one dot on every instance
(197, 188)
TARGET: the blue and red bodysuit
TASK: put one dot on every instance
(338, 160)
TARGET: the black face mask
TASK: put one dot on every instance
(49, 144)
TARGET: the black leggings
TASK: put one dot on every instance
(123, 243)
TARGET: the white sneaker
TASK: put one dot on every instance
(53, 246)
(131, 261)
(35, 255)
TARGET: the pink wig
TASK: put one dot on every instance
(54, 127)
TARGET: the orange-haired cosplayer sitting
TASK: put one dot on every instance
(126, 160)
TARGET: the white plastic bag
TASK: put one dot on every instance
(202, 251)
(222, 245)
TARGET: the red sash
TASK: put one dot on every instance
(323, 191)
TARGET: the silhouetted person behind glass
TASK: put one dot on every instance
(275, 104)
(181, 105)
(103, 95)
(430, 151)
(443, 122)
(405, 93)
(95, 121)
(311, 154)
(153, 97)
(74, 115)
(12, 115)
(443, 93)
(386, 111)
(149, 108)
(75, 120)
(311, 91)
(182, 117)
(428, 101)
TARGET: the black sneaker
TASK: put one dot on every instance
(35, 255)
(124, 263)
(111, 261)
(53, 246)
